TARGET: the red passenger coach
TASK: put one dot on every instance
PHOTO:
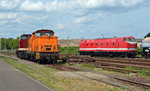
(113, 47)
(23, 45)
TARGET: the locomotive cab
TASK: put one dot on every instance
(130, 40)
(131, 43)
(23, 40)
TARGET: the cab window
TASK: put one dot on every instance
(124, 39)
(38, 34)
(134, 40)
(129, 40)
(24, 37)
(49, 33)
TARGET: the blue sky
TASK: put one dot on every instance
(76, 18)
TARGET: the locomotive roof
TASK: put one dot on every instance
(109, 38)
(25, 34)
(46, 30)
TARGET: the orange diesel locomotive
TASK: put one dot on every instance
(42, 47)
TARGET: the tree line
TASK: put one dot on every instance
(147, 35)
(9, 43)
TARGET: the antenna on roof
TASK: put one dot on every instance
(102, 35)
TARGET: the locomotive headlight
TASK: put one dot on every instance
(54, 48)
(41, 47)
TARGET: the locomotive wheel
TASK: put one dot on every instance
(91, 54)
(55, 61)
(111, 55)
(131, 56)
(40, 61)
(50, 61)
(123, 56)
(32, 58)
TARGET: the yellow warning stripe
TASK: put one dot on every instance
(60, 55)
(37, 55)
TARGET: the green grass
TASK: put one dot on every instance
(114, 89)
(144, 72)
(89, 66)
(69, 50)
(138, 55)
(51, 78)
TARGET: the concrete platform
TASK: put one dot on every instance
(14, 80)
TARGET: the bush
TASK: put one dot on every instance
(139, 49)
(69, 50)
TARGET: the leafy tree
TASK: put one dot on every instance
(147, 35)
(16, 43)
(9, 43)
(3, 43)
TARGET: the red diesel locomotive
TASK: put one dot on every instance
(113, 47)
(23, 45)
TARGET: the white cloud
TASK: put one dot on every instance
(8, 15)
(28, 5)
(131, 2)
(108, 3)
(96, 3)
(59, 26)
(3, 22)
(9, 4)
(81, 19)
(59, 5)
(28, 19)
(87, 18)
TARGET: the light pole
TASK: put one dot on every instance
(68, 40)
(0, 44)
(102, 35)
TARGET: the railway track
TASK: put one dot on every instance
(117, 64)
(87, 59)
(122, 79)
(121, 82)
